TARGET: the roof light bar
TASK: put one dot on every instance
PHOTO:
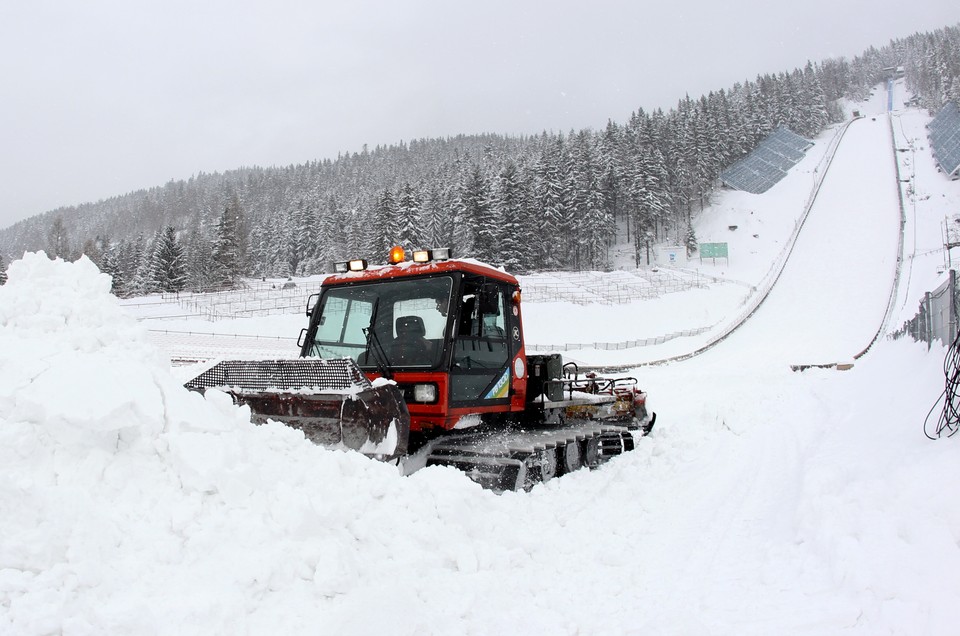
(356, 265)
(436, 254)
(397, 255)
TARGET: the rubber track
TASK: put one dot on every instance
(518, 459)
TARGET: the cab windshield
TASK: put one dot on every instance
(396, 323)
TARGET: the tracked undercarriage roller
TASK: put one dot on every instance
(519, 459)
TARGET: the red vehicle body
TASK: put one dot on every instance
(474, 356)
(428, 357)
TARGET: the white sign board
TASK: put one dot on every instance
(671, 255)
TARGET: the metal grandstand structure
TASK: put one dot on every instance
(768, 163)
(944, 134)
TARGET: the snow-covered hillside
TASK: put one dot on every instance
(766, 501)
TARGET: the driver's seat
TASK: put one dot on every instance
(410, 346)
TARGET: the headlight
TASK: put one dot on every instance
(425, 393)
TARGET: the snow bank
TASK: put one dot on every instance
(130, 505)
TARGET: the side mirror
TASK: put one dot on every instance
(312, 303)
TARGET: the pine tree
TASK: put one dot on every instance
(508, 212)
(227, 255)
(359, 221)
(708, 155)
(599, 228)
(459, 231)
(111, 265)
(199, 255)
(385, 232)
(478, 213)
(169, 264)
(341, 241)
(58, 242)
(648, 180)
(551, 202)
(303, 230)
(258, 252)
(409, 215)
(281, 247)
(609, 154)
(531, 237)
(3, 271)
(953, 92)
(139, 264)
(691, 241)
(435, 216)
(145, 280)
(124, 252)
(813, 102)
(580, 181)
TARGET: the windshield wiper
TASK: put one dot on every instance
(378, 352)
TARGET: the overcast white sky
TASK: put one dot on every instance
(102, 97)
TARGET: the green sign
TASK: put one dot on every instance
(713, 250)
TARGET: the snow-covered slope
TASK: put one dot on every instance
(766, 501)
(832, 296)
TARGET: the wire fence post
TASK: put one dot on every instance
(952, 309)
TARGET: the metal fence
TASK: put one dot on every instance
(609, 288)
(937, 317)
(185, 346)
(257, 299)
(616, 346)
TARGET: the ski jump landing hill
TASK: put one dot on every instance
(833, 296)
(832, 290)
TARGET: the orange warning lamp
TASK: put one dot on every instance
(397, 255)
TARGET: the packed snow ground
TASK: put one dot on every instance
(765, 501)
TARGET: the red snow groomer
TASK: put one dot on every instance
(423, 360)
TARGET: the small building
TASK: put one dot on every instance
(893, 72)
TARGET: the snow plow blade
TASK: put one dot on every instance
(331, 401)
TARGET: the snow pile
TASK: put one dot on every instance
(130, 505)
(65, 340)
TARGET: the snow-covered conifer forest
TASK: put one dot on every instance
(558, 200)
